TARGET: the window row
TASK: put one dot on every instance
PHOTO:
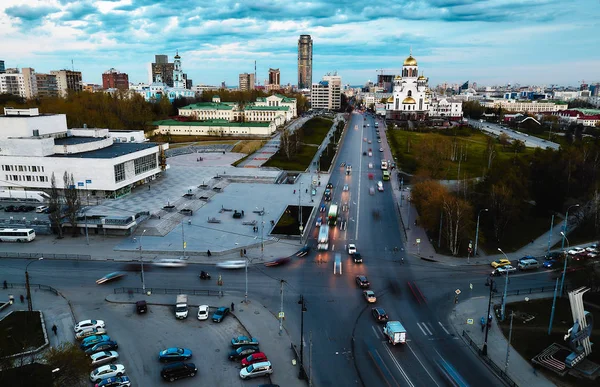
(145, 163)
(41, 179)
(22, 168)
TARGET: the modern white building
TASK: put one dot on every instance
(411, 95)
(215, 128)
(277, 100)
(34, 146)
(327, 93)
(12, 82)
(448, 108)
(520, 106)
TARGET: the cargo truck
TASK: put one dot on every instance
(181, 307)
(395, 332)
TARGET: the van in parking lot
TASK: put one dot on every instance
(41, 209)
(528, 264)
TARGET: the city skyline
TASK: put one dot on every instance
(490, 42)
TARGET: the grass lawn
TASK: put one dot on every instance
(299, 163)
(315, 129)
(406, 144)
(530, 338)
(288, 223)
(248, 146)
(20, 331)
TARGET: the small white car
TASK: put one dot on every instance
(346, 187)
(203, 312)
(370, 154)
(369, 296)
(103, 357)
(351, 248)
(107, 371)
(370, 165)
(381, 149)
(380, 186)
(231, 265)
(502, 270)
(170, 262)
(88, 324)
(89, 332)
(576, 250)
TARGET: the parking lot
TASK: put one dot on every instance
(141, 337)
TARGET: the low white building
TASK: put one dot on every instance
(446, 108)
(34, 146)
(13, 82)
(277, 100)
(519, 106)
(215, 110)
(219, 128)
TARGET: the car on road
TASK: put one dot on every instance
(369, 141)
(170, 262)
(220, 314)
(102, 346)
(232, 265)
(178, 370)
(362, 282)
(364, 139)
(370, 165)
(319, 221)
(323, 208)
(380, 186)
(243, 351)
(256, 369)
(103, 357)
(203, 312)
(381, 149)
(174, 354)
(369, 295)
(88, 324)
(500, 262)
(243, 340)
(379, 140)
(526, 258)
(357, 257)
(351, 248)
(576, 250)
(107, 371)
(89, 332)
(371, 191)
(346, 188)
(555, 255)
(370, 153)
(502, 270)
(592, 248)
(364, 154)
(379, 314)
(256, 357)
(91, 340)
(111, 277)
(329, 186)
(278, 261)
(117, 381)
(141, 306)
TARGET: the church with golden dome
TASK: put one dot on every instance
(411, 96)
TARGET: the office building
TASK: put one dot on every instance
(305, 52)
(246, 81)
(29, 82)
(113, 79)
(68, 80)
(46, 85)
(12, 82)
(327, 93)
(274, 79)
(2, 68)
(161, 67)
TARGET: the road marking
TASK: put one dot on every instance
(427, 329)
(397, 364)
(359, 180)
(422, 330)
(422, 365)
(332, 247)
(445, 330)
(376, 333)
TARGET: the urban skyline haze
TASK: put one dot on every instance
(487, 41)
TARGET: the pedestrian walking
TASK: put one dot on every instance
(54, 329)
(22, 298)
(5, 285)
(208, 253)
(244, 251)
(294, 192)
(232, 306)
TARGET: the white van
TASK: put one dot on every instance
(41, 209)
(528, 264)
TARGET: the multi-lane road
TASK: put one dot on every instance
(529, 141)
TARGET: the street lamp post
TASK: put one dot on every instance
(566, 256)
(301, 374)
(492, 284)
(142, 262)
(505, 287)
(562, 247)
(29, 304)
(477, 231)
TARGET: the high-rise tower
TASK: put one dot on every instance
(305, 50)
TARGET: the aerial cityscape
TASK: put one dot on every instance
(299, 194)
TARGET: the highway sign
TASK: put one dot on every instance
(457, 291)
(470, 321)
(281, 315)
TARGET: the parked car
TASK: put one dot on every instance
(9, 209)
(243, 340)
(102, 357)
(257, 369)
(362, 282)
(555, 255)
(102, 346)
(174, 354)
(502, 270)
(107, 371)
(141, 306)
(549, 263)
(243, 351)
(256, 357)
(500, 262)
(203, 312)
(576, 250)
(220, 314)
(90, 341)
(89, 332)
(117, 381)
(369, 296)
(88, 324)
(178, 370)
(592, 248)
(379, 314)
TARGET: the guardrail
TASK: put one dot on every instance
(497, 370)
(32, 286)
(8, 254)
(193, 292)
(516, 292)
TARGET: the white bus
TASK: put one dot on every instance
(17, 235)
(323, 241)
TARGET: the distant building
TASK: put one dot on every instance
(92, 87)
(274, 82)
(67, 80)
(327, 93)
(199, 89)
(446, 108)
(305, 54)
(29, 82)
(158, 89)
(411, 95)
(517, 106)
(12, 82)
(162, 68)
(113, 79)
(46, 85)
(386, 82)
(221, 128)
(2, 68)
(246, 81)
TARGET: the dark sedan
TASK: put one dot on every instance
(379, 314)
(174, 354)
(102, 346)
(242, 352)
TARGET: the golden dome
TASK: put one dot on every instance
(422, 78)
(408, 100)
(410, 61)
(391, 99)
(398, 77)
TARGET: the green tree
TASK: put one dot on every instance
(55, 208)
(72, 202)
(71, 363)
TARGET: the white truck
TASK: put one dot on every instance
(181, 307)
(395, 332)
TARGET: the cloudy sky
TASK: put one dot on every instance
(487, 41)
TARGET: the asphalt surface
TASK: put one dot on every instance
(530, 141)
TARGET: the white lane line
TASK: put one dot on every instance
(427, 329)
(332, 247)
(376, 333)
(445, 330)
(419, 325)
(397, 364)
(422, 365)
(359, 180)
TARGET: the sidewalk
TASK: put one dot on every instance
(519, 369)
(256, 320)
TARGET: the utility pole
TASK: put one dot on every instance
(553, 306)
(281, 309)
(183, 239)
(505, 287)
(440, 233)
(310, 359)
(401, 191)
(492, 283)
(550, 235)
(301, 374)
(477, 231)
(512, 314)
(142, 263)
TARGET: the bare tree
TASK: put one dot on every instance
(55, 208)
(285, 143)
(502, 207)
(72, 201)
(457, 213)
(490, 151)
(71, 362)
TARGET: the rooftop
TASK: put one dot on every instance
(209, 106)
(76, 140)
(267, 108)
(116, 150)
(212, 123)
